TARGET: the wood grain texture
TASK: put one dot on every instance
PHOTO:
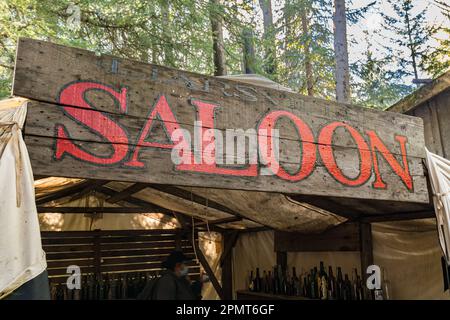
(43, 69)
(423, 94)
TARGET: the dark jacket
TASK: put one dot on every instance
(171, 287)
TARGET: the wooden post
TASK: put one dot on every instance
(97, 255)
(208, 270)
(178, 240)
(226, 260)
(366, 254)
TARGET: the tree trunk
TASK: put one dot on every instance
(248, 50)
(411, 45)
(341, 52)
(287, 33)
(269, 36)
(308, 65)
(217, 37)
(169, 59)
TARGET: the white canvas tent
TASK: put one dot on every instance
(439, 172)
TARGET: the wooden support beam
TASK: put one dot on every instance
(139, 202)
(226, 261)
(178, 241)
(64, 192)
(220, 221)
(95, 210)
(97, 255)
(426, 214)
(134, 188)
(255, 229)
(230, 239)
(195, 198)
(182, 220)
(366, 253)
(353, 209)
(208, 270)
(88, 189)
(39, 177)
(133, 200)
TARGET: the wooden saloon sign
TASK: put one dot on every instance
(101, 117)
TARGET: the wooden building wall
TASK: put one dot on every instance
(435, 113)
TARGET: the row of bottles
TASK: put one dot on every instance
(112, 286)
(314, 284)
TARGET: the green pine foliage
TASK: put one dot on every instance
(409, 36)
(437, 60)
(177, 33)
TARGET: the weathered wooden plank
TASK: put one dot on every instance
(219, 221)
(54, 241)
(143, 252)
(125, 260)
(398, 216)
(433, 141)
(226, 263)
(63, 192)
(318, 183)
(53, 264)
(142, 267)
(423, 94)
(127, 192)
(68, 248)
(108, 233)
(138, 245)
(353, 208)
(138, 239)
(442, 103)
(83, 210)
(204, 263)
(44, 116)
(62, 271)
(41, 125)
(63, 76)
(345, 237)
(109, 253)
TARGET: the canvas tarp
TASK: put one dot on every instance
(439, 173)
(21, 254)
(408, 251)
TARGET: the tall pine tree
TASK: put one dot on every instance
(409, 36)
(307, 59)
(375, 86)
(437, 61)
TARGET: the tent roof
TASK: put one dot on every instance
(257, 209)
